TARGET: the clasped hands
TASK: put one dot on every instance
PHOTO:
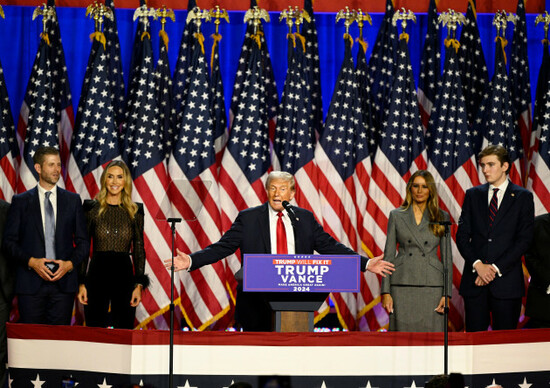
(41, 268)
(486, 273)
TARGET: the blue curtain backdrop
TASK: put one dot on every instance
(20, 38)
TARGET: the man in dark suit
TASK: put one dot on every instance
(7, 281)
(47, 240)
(495, 230)
(257, 230)
(537, 259)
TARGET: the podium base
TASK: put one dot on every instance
(293, 321)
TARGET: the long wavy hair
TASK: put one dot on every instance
(432, 204)
(126, 195)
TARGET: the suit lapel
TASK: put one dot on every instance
(507, 202)
(36, 213)
(263, 224)
(410, 222)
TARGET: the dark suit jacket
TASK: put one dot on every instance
(7, 270)
(250, 233)
(24, 238)
(537, 260)
(502, 245)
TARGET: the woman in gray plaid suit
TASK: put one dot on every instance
(413, 294)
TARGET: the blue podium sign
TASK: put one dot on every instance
(301, 273)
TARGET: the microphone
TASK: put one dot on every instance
(291, 214)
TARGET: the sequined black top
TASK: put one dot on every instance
(115, 231)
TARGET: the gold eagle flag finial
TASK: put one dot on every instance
(361, 18)
(218, 14)
(48, 13)
(99, 12)
(452, 20)
(404, 15)
(255, 15)
(144, 13)
(164, 13)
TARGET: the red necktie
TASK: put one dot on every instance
(281, 235)
(493, 207)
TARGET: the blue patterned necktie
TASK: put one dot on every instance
(49, 227)
(493, 207)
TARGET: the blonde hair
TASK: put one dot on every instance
(126, 195)
(281, 175)
(432, 204)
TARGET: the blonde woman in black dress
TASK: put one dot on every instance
(413, 294)
(111, 285)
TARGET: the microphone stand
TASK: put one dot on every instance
(173, 222)
(446, 224)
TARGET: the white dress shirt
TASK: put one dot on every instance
(53, 200)
(273, 219)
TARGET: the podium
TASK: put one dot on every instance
(295, 286)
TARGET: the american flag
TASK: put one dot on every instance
(495, 119)
(247, 159)
(451, 161)
(540, 98)
(343, 159)
(362, 71)
(313, 68)
(473, 69)
(272, 98)
(182, 64)
(401, 150)
(115, 64)
(61, 90)
(295, 133)
(430, 73)
(95, 139)
(539, 170)
(204, 297)
(219, 115)
(143, 151)
(45, 118)
(9, 153)
(520, 87)
(164, 95)
(382, 65)
(370, 234)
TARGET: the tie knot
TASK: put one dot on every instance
(495, 191)
(48, 193)
(280, 214)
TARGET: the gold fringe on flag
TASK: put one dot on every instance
(164, 37)
(363, 44)
(44, 35)
(145, 34)
(200, 38)
(504, 42)
(348, 37)
(100, 37)
(452, 42)
(405, 36)
(301, 38)
(257, 38)
(217, 37)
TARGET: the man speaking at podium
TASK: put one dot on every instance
(275, 227)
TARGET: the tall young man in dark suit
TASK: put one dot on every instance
(7, 282)
(495, 230)
(47, 240)
(255, 230)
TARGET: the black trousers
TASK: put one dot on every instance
(481, 308)
(110, 283)
(48, 306)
